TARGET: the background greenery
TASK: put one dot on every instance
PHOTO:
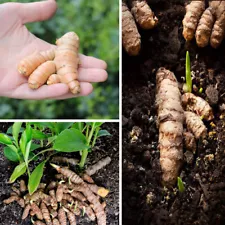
(96, 23)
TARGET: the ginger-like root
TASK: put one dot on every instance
(11, 199)
(41, 74)
(170, 119)
(189, 142)
(131, 38)
(31, 62)
(204, 28)
(209, 24)
(62, 216)
(195, 125)
(55, 222)
(101, 191)
(37, 211)
(60, 159)
(97, 166)
(46, 214)
(143, 14)
(26, 211)
(59, 192)
(67, 60)
(71, 217)
(38, 222)
(194, 11)
(197, 105)
(53, 79)
(23, 186)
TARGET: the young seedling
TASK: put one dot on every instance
(180, 185)
(188, 73)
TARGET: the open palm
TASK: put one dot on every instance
(16, 42)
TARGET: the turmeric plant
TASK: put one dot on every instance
(207, 25)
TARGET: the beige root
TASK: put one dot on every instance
(170, 119)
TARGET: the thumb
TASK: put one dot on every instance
(37, 11)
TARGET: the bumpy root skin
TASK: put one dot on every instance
(194, 11)
(23, 186)
(37, 211)
(62, 216)
(41, 74)
(97, 166)
(31, 62)
(59, 192)
(195, 125)
(170, 119)
(53, 79)
(11, 199)
(204, 28)
(55, 222)
(143, 14)
(189, 142)
(130, 36)
(46, 214)
(71, 217)
(38, 222)
(101, 191)
(197, 105)
(67, 60)
(26, 211)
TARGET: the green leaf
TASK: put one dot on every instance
(10, 154)
(188, 73)
(28, 132)
(9, 131)
(70, 140)
(34, 147)
(35, 178)
(23, 142)
(60, 126)
(5, 139)
(18, 171)
(37, 134)
(16, 130)
(180, 185)
(27, 152)
(103, 133)
(51, 139)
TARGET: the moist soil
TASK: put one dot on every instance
(107, 177)
(145, 200)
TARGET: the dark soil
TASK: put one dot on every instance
(107, 177)
(145, 200)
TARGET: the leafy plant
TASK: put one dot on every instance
(81, 137)
(63, 137)
(180, 185)
(188, 73)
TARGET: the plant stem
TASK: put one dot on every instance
(43, 151)
(188, 73)
(85, 151)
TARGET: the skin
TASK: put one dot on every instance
(16, 42)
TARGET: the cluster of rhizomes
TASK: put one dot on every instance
(171, 117)
(65, 198)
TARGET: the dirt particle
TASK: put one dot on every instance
(212, 94)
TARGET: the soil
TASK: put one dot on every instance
(145, 200)
(107, 177)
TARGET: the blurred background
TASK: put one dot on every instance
(97, 24)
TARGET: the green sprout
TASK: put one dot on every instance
(200, 90)
(188, 73)
(180, 185)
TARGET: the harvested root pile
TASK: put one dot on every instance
(207, 25)
(62, 199)
(144, 16)
(54, 66)
(171, 117)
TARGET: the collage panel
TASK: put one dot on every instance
(173, 68)
(40, 65)
(59, 173)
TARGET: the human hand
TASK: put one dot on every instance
(16, 42)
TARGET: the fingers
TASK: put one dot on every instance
(37, 11)
(92, 62)
(54, 91)
(92, 75)
(86, 89)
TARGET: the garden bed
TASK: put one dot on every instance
(107, 177)
(145, 200)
